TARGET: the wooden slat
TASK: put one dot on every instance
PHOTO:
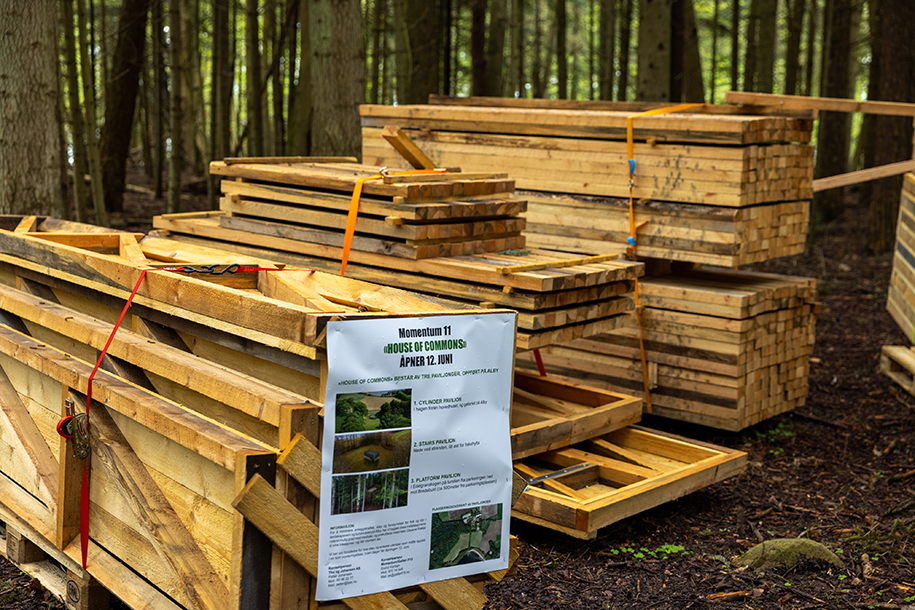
(799, 102)
(864, 175)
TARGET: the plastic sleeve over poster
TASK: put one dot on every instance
(416, 468)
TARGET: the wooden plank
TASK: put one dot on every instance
(510, 102)
(799, 102)
(288, 160)
(864, 175)
(455, 594)
(302, 460)
(407, 148)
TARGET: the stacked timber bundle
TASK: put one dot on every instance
(725, 349)
(722, 189)
(559, 296)
(412, 216)
(897, 361)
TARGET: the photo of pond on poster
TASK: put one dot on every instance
(377, 410)
(466, 535)
(371, 451)
(357, 493)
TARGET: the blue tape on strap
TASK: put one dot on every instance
(631, 166)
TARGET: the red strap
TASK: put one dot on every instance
(539, 360)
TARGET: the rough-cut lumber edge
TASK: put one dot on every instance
(864, 175)
(800, 102)
(407, 148)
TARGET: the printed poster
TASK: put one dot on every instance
(417, 472)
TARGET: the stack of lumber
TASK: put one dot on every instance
(414, 216)
(208, 405)
(901, 296)
(559, 296)
(711, 235)
(896, 361)
(697, 172)
(725, 349)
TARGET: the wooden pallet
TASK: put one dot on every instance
(901, 295)
(694, 233)
(201, 391)
(560, 296)
(898, 363)
(615, 476)
(725, 349)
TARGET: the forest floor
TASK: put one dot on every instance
(833, 471)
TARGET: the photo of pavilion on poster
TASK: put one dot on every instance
(377, 410)
(359, 493)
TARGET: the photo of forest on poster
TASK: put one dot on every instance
(368, 492)
(360, 411)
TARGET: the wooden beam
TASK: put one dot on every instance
(799, 102)
(407, 148)
(302, 460)
(864, 175)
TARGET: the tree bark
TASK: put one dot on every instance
(562, 66)
(625, 39)
(76, 114)
(810, 60)
(276, 89)
(338, 85)
(495, 50)
(653, 79)
(300, 114)
(834, 134)
(176, 109)
(793, 47)
(92, 151)
(377, 59)
(713, 68)
(446, 19)
(750, 63)
(121, 98)
(423, 35)
(253, 82)
(765, 50)
(516, 56)
(478, 46)
(896, 84)
(735, 44)
(685, 65)
(29, 123)
(605, 49)
(158, 107)
(537, 85)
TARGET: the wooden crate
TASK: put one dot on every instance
(726, 349)
(594, 484)
(205, 389)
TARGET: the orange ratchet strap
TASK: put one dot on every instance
(354, 206)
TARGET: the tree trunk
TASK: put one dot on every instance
(423, 35)
(279, 129)
(377, 59)
(562, 67)
(685, 63)
(300, 113)
(653, 79)
(750, 63)
(765, 50)
(254, 94)
(625, 39)
(793, 48)
(103, 42)
(537, 85)
(605, 49)
(176, 109)
(161, 89)
(495, 51)
(809, 60)
(337, 85)
(516, 56)
(29, 123)
(576, 51)
(834, 134)
(478, 46)
(76, 114)
(95, 164)
(219, 104)
(446, 21)
(121, 98)
(735, 44)
(896, 84)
